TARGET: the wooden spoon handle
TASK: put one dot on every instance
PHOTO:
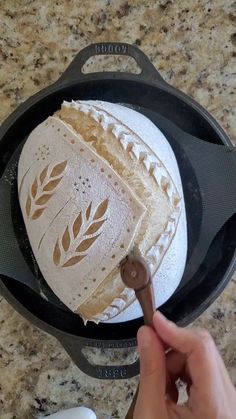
(130, 413)
(135, 274)
(146, 300)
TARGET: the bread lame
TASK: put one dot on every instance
(136, 275)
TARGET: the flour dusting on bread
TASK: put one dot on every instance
(92, 188)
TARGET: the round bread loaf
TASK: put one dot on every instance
(97, 181)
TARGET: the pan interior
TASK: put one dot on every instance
(187, 297)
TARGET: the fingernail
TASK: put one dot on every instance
(145, 338)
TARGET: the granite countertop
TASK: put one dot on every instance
(193, 44)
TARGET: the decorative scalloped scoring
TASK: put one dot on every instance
(138, 150)
(117, 305)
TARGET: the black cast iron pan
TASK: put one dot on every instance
(208, 169)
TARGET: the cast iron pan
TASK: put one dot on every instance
(207, 165)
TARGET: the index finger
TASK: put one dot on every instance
(198, 347)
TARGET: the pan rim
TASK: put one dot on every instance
(96, 77)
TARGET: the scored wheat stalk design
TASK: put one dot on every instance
(42, 189)
(79, 236)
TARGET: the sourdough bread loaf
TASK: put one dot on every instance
(96, 181)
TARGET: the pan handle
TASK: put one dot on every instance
(74, 71)
(105, 372)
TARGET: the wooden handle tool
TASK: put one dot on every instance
(135, 274)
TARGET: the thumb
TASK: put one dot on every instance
(152, 387)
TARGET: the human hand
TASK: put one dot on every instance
(195, 360)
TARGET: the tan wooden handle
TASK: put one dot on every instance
(135, 274)
(130, 413)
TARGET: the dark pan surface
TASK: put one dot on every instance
(188, 301)
(193, 209)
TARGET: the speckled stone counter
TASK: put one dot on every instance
(193, 44)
